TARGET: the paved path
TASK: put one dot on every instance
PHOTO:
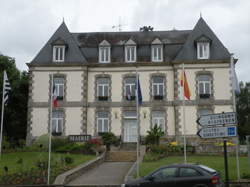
(106, 173)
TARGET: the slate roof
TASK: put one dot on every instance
(201, 29)
(73, 53)
(179, 45)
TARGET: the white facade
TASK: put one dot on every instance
(75, 88)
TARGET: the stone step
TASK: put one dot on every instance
(128, 146)
(121, 156)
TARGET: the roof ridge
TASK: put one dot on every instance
(130, 32)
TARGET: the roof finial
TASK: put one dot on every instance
(63, 19)
(200, 14)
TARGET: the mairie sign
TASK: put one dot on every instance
(218, 132)
(217, 119)
(79, 138)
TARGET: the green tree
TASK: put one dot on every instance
(15, 115)
(243, 110)
(154, 134)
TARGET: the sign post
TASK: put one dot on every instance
(214, 126)
(226, 162)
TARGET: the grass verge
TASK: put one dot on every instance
(26, 162)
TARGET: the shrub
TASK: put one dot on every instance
(154, 134)
(88, 148)
(57, 142)
(69, 160)
(6, 144)
(159, 149)
(42, 142)
(174, 148)
(246, 176)
(95, 142)
(21, 143)
(109, 139)
(70, 147)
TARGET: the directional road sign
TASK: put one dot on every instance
(217, 119)
(218, 132)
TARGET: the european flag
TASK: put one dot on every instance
(139, 95)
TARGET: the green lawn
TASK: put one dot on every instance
(216, 162)
(30, 159)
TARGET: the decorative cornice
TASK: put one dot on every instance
(133, 104)
(124, 64)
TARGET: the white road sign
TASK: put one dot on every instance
(217, 119)
(217, 132)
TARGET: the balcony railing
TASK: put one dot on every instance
(102, 98)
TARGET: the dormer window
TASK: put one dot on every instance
(104, 52)
(157, 50)
(203, 50)
(130, 51)
(59, 53)
(156, 53)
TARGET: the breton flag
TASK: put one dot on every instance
(55, 99)
(6, 88)
(138, 94)
(184, 84)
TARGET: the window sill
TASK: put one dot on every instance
(130, 61)
(205, 96)
(157, 60)
(104, 62)
(203, 58)
(58, 61)
(158, 97)
(102, 98)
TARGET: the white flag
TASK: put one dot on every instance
(235, 83)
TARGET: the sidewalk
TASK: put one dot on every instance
(111, 173)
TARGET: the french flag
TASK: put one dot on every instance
(55, 100)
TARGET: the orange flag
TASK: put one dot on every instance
(184, 84)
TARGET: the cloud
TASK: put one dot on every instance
(26, 25)
(228, 19)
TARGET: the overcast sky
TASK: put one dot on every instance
(26, 25)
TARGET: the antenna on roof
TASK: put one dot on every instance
(119, 26)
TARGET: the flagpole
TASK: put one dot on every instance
(138, 125)
(184, 119)
(234, 109)
(50, 127)
(1, 134)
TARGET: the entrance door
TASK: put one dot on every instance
(130, 131)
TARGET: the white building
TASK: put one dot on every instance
(94, 74)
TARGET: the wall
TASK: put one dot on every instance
(75, 88)
(39, 121)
